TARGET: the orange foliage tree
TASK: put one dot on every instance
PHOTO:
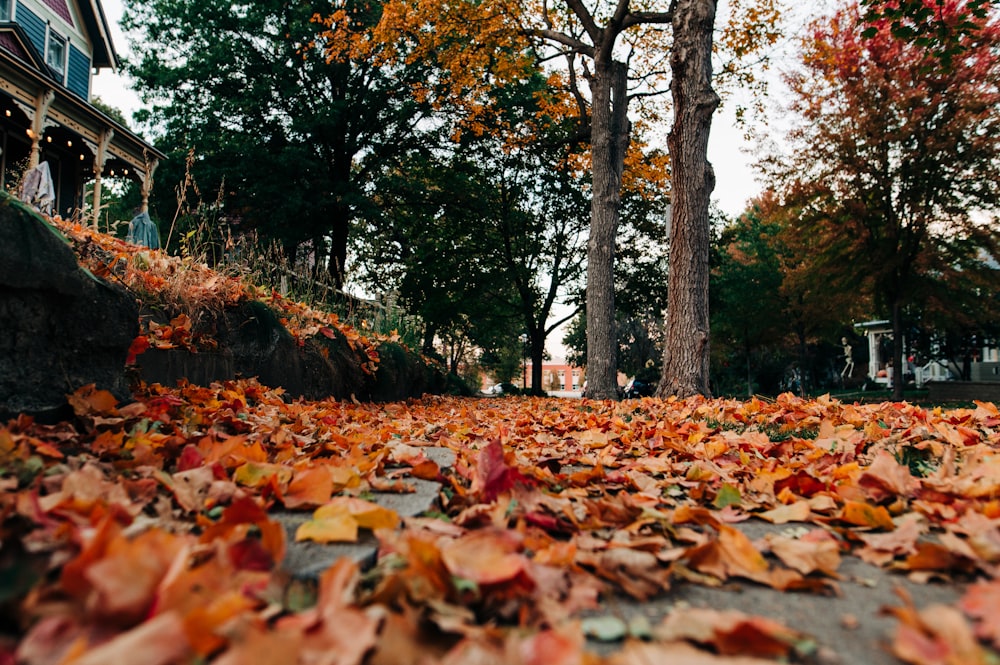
(623, 53)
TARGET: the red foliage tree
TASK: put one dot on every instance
(894, 162)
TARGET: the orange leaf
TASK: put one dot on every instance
(867, 515)
(138, 346)
(485, 557)
(794, 512)
(310, 487)
(88, 400)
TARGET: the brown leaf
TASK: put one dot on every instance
(730, 632)
(676, 653)
(807, 556)
(886, 478)
(159, 641)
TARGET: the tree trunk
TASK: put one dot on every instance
(537, 358)
(609, 139)
(685, 361)
(340, 225)
(897, 350)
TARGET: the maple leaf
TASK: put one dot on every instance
(493, 476)
(485, 557)
(89, 401)
(340, 518)
(138, 346)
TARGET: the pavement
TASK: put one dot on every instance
(847, 626)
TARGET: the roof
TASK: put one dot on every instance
(96, 24)
(14, 40)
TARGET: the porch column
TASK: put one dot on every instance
(147, 181)
(100, 157)
(41, 111)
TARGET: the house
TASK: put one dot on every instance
(49, 51)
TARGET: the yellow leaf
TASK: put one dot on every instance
(365, 513)
(254, 474)
(336, 528)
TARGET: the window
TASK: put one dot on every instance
(55, 53)
(5, 10)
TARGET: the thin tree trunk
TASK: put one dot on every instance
(897, 350)
(746, 348)
(537, 358)
(686, 355)
(610, 136)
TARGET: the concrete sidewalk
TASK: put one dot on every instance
(848, 627)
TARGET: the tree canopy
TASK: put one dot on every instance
(621, 53)
(292, 136)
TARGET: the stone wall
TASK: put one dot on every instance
(60, 326)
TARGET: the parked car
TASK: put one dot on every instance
(636, 387)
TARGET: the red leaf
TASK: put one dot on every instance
(249, 554)
(138, 346)
(244, 511)
(493, 475)
(190, 458)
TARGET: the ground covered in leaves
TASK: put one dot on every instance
(142, 532)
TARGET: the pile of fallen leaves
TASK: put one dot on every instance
(145, 532)
(185, 288)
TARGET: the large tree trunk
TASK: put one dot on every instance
(609, 140)
(685, 362)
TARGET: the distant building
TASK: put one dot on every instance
(557, 376)
(49, 50)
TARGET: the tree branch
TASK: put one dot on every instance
(575, 45)
(638, 18)
(581, 12)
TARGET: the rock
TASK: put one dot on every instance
(63, 328)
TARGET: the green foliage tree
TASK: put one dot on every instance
(748, 309)
(286, 138)
(482, 240)
(891, 172)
